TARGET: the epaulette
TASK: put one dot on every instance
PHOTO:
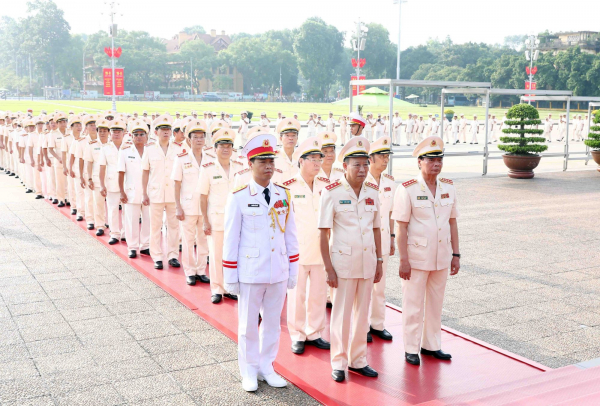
(410, 183)
(372, 185)
(208, 164)
(237, 162)
(243, 171)
(388, 176)
(125, 146)
(150, 143)
(289, 182)
(322, 179)
(281, 186)
(278, 170)
(448, 181)
(207, 148)
(178, 143)
(206, 153)
(333, 185)
(338, 169)
(240, 188)
(184, 153)
(93, 142)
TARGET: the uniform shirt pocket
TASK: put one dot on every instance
(248, 259)
(417, 248)
(341, 259)
(344, 208)
(252, 218)
(422, 209)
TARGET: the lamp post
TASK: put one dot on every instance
(399, 3)
(113, 34)
(359, 43)
(531, 54)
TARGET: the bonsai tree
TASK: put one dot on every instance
(522, 115)
(593, 140)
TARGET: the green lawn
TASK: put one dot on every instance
(302, 109)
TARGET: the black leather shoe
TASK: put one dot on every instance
(365, 371)
(54, 201)
(39, 197)
(216, 298)
(73, 212)
(11, 174)
(132, 254)
(203, 278)
(319, 343)
(113, 241)
(174, 263)
(79, 218)
(68, 203)
(61, 204)
(338, 375)
(100, 232)
(298, 347)
(179, 247)
(383, 334)
(159, 265)
(412, 359)
(369, 337)
(91, 227)
(123, 239)
(329, 305)
(29, 191)
(230, 296)
(145, 252)
(439, 354)
(190, 280)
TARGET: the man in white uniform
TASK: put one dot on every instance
(462, 129)
(260, 262)
(474, 130)
(92, 157)
(397, 129)
(410, 124)
(331, 123)
(285, 166)
(243, 128)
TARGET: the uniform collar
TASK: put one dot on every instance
(425, 189)
(363, 189)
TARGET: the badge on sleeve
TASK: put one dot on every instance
(369, 202)
(422, 198)
(345, 202)
(445, 195)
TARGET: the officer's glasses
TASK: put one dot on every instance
(314, 160)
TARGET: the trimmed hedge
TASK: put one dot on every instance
(593, 140)
(522, 115)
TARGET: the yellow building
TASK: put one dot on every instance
(587, 41)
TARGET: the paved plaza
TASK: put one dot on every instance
(78, 325)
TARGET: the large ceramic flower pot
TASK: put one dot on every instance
(521, 166)
(596, 157)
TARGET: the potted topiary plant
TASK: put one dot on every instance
(449, 113)
(522, 152)
(593, 140)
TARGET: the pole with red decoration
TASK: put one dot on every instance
(113, 34)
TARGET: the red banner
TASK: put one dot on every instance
(532, 87)
(361, 89)
(119, 82)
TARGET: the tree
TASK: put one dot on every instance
(412, 58)
(523, 116)
(379, 53)
(318, 47)
(201, 56)
(515, 42)
(194, 29)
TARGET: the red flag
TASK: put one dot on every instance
(354, 63)
(527, 70)
(108, 51)
(362, 62)
(118, 52)
(534, 70)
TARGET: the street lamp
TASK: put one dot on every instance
(531, 54)
(358, 44)
(399, 3)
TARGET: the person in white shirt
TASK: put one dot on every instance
(420, 128)
(131, 190)
(265, 122)
(580, 126)
(474, 130)
(396, 129)
(92, 158)
(379, 126)
(428, 126)
(547, 130)
(410, 129)
(35, 157)
(331, 122)
(279, 118)
(434, 127)
(447, 129)
(311, 124)
(462, 129)
(369, 127)
(455, 124)
(586, 127)
(343, 124)
(320, 125)
(243, 128)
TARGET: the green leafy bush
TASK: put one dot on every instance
(593, 140)
(448, 111)
(521, 115)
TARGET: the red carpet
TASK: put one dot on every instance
(477, 367)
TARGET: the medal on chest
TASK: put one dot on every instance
(369, 202)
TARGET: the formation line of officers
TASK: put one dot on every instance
(278, 219)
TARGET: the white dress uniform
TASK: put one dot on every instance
(410, 128)
(547, 130)
(81, 147)
(330, 124)
(285, 168)
(110, 159)
(434, 127)
(66, 146)
(92, 153)
(420, 128)
(379, 128)
(429, 253)
(33, 142)
(427, 130)
(474, 131)
(351, 220)
(161, 193)
(368, 131)
(54, 141)
(397, 129)
(311, 127)
(130, 162)
(462, 129)
(343, 130)
(244, 128)
(217, 185)
(48, 170)
(260, 253)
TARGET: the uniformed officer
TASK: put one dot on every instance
(48, 169)
(379, 158)
(311, 124)
(330, 123)
(306, 302)
(357, 124)
(159, 193)
(410, 129)
(89, 125)
(329, 170)
(474, 130)
(285, 167)
(34, 147)
(425, 210)
(186, 175)
(216, 184)
(260, 261)
(131, 190)
(320, 125)
(370, 123)
(92, 158)
(109, 181)
(462, 129)
(243, 127)
(75, 193)
(349, 211)
(397, 128)
(58, 131)
(265, 123)
(343, 128)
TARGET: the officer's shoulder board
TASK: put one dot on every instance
(289, 182)
(388, 176)
(125, 146)
(333, 185)
(208, 164)
(80, 139)
(283, 187)
(410, 183)
(243, 171)
(448, 181)
(184, 153)
(278, 170)
(151, 143)
(338, 169)
(236, 162)
(93, 141)
(206, 153)
(207, 148)
(323, 179)
(372, 185)
(240, 188)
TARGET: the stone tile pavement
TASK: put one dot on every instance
(78, 326)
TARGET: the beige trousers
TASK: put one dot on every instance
(377, 317)
(97, 205)
(116, 218)
(215, 267)
(194, 263)
(350, 314)
(50, 182)
(37, 179)
(422, 300)
(138, 237)
(73, 194)
(306, 304)
(81, 197)
(156, 224)
(61, 181)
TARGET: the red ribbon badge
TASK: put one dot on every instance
(369, 202)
